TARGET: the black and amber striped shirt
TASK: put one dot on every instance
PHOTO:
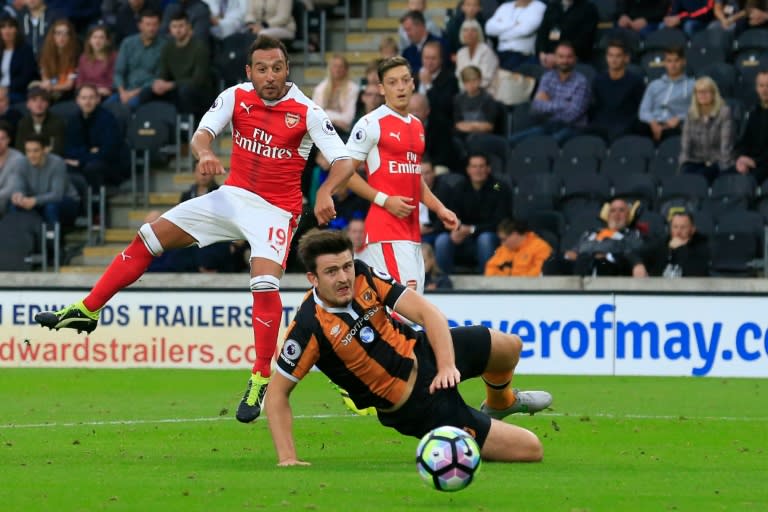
(359, 347)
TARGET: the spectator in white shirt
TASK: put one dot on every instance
(227, 17)
(515, 24)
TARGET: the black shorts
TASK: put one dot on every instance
(424, 411)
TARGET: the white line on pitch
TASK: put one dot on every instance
(324, 416)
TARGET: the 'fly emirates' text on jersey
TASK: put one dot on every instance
(271, 141)
(391, 146)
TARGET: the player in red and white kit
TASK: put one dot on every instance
(273, 128)
(391, 143)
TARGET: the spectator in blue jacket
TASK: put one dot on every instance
(23, 66)
(92, 147)
(666, 100)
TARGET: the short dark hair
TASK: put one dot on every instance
(181, 14)
(415, 16)
(317, 242)
(617, 43)
(148, 13)
(36, 138)
(675, 50)
(566, 44)
(390, 63)
(681, 213)
(477, 154)
(508, 226)
(5, 126)
(266, 43)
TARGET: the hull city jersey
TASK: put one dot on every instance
(271, 141)
(391, 146)
(359, 347)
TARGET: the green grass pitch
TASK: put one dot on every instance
(159, 440)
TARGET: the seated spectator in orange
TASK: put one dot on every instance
(521, 253)
(58, 60)
(337, 94)
(96, 65)
(476, 52)
(19, 66)
(707, 141)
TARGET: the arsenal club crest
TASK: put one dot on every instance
(291, 119)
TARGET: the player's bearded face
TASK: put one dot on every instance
(334, 278)
(268, 73)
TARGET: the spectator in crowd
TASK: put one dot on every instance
(404, 38)
(415, 26)
(480, 204)
(227, 17)
(616, 95)
(58, 60)
(434, 277)
(568, 20)
(11, 8)
(370, 100)
(707, 141)
(36, 19)
(183, 76)
(91, 148)
(685, 253)
(757, 13)
(44, 186)
(96, 65)
(337, 95)
(521, 253)
(689, 15)
(372, 72)
(128, 16)
(614, 250)
(348, 206)
(730, 15)
(666, 99)
(11, 162)
(752, 147)
(561, 100)
(198, 14)
(476, 52)
(138, 61)
(388, 48)
(39, 121)
(467, 10)
(428, 220)
(271, 18)
(516, 24)
(474, 110)
(7, 114)
(19, 66)
(439, 85)
(356, 232)
(641, 17)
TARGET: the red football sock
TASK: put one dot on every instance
(266, 316)
(126, 268)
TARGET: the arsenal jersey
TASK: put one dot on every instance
(271, 141)
(391, 146)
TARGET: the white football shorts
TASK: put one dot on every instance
(233, 213)
(401, 260)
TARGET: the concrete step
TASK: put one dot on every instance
(316, 74)
(100, 255)
(435, 8)
(357, 57)
(390, 25)
(369, 41)
(82, 269)
(119, 235)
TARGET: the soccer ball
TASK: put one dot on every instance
(447, 458)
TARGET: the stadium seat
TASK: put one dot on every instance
(630, 39)
(652, 63)
(662, 166)
(149, 130)
(584, 146)
(690, 187)
(633, 146)
(577, 223)
(528, 165)
(738, 114)
(748, 63)
(742, 221)
(549, 220)
(583, 190)
(587, 70)
(635, 187)
(716, 39)
(493, 146)
(520, 118)
(564, 166)
(531, 69)
(536, 146)
(64, 109)
(446, 183)
(731, 192)
(734, 254)
(669, 148)
(723, 74)
(536, 192)
(621, 164)
(704, 221)
(752, 39)
(652, 225)
(665, 38)
(231, 57)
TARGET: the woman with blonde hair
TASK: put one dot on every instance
(58, 60)
(707, 139)
(97, 63)
(475, 52)
(337, 94)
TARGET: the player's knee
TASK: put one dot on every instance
(148, 236)
(507, 342)
(265, 283)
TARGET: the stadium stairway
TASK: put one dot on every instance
(356, 38)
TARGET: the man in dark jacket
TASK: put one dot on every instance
(569, 20)
(752, 148)
(641, 16)
(685, 253)
(92, 145)
(40, 121)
